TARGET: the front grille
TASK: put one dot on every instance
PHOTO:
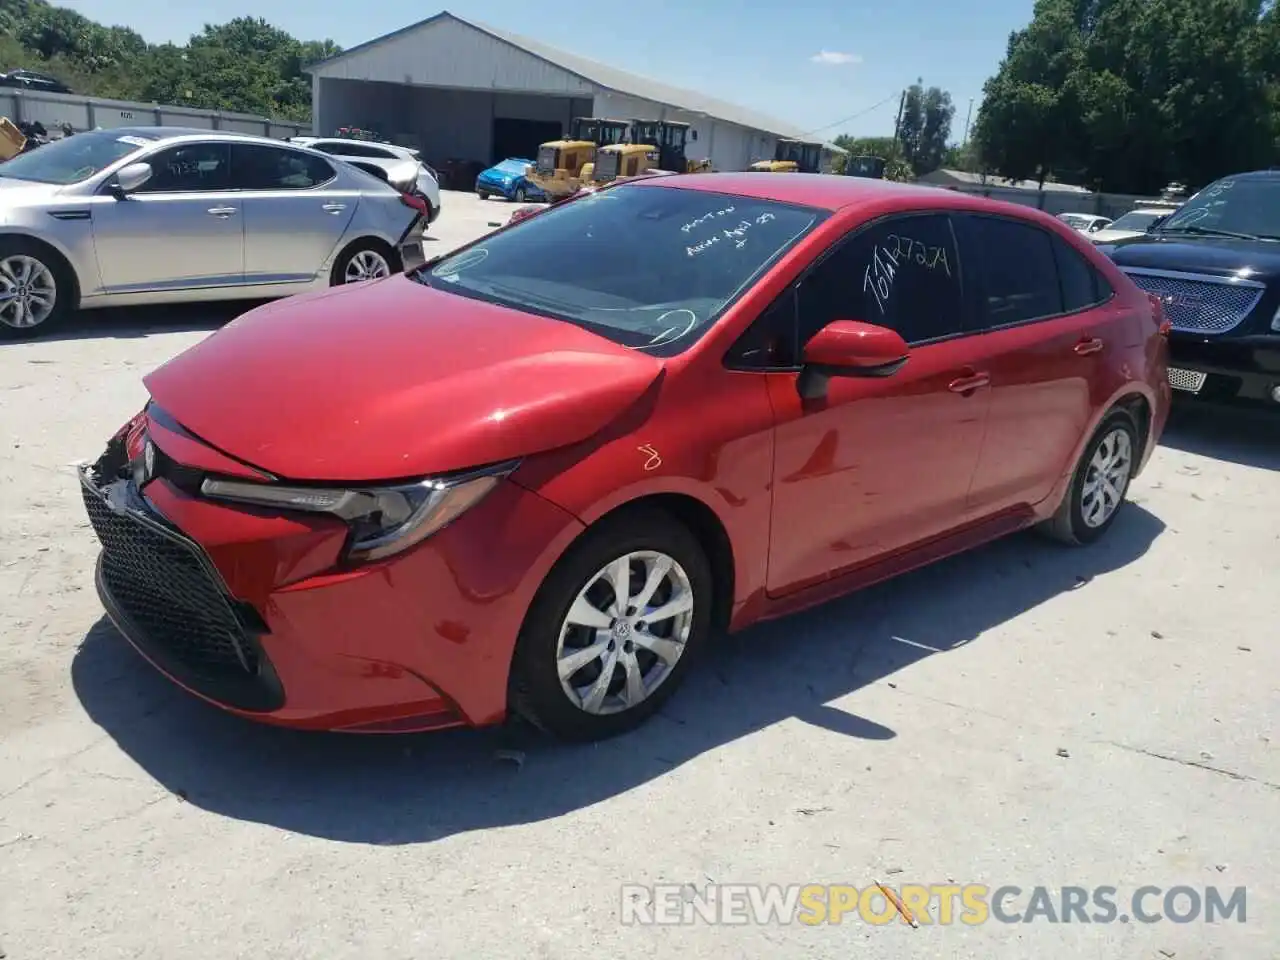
(1191, 381)
(606, 165)
(163, 583)
(546, 160)
(1198, 303)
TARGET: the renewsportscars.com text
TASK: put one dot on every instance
(944, 904)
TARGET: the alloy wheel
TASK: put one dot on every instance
(28, 292)
(366, 265)
(1106, 477)
(625, 632)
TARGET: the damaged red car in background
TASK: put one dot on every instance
(541, 484)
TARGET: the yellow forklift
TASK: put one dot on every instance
(652, 145)
(792, 156)
(563, 165)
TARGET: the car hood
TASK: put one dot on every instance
(1217, 256)
(1107, 235)
(391, 379)
(24, 193)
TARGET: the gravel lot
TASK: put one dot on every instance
(1023, 715)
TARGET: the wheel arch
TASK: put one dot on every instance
(386, 248)
(55, 253)
(701, 519)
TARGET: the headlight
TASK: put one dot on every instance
(506, 181)
(384, 521)
(1275, 321)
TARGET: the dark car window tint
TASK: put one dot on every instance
(1019, 275)
(903, 273)
(1080, 289)
(270, 168)
(191, 167)
(770, 342)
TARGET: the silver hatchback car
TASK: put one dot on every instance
(163, 215)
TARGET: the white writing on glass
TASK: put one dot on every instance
(737, 235)
(692, 224)
(931, 258)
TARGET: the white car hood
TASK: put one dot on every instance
(1110, 236)
(15, 194)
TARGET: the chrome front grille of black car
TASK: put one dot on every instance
(1199, 303)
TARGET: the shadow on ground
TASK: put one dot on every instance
(127, 323)
(414, 789)
(1235, 435)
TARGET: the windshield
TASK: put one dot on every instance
(646, 266)
(1247, 206)
(1073, 220)
(513, 166)
(1135, 221)
(74, 158)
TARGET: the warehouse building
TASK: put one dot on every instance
(458, 90)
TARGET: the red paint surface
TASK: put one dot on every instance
(971, 439)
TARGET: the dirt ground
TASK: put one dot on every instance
(1025, 715)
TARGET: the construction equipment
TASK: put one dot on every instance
(559, 170)
(792, 156)
(865, 166)
(653, 145)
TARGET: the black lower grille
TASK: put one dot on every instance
(162, 583)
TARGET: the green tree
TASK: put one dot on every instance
(244, 65)
(925, 127)
(1127, 95)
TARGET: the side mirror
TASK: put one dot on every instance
(130, 178)
(850, 348)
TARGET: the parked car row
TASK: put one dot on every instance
(164, 214)
(506, 483)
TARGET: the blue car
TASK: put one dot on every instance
(507, 180)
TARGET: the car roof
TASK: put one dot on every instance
(163, 134)
(833, 192)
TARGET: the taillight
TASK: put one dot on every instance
(413, 200)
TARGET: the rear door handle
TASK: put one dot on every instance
(334, 207)
(1089, 345)
(222, 212)
(967, 385)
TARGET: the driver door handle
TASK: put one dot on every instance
(222, 212)
(966, 385)
(1089, 345)
(334, 208)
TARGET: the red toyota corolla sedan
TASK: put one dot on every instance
(539, 473)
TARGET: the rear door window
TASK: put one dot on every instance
(1082, 286)
(1016, 270)
(258, 167)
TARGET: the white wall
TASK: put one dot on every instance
(727, 145)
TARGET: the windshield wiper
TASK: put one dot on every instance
(1213, 232)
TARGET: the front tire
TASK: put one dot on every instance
(1099, 484)
(587, 666)
(364, 260)
(520, 195)
(35, 289)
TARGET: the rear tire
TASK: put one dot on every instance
(1098, 485)
(36, 289)
(365, 260)
(575, 633)
(483, 195)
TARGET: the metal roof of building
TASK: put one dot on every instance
(602, 75)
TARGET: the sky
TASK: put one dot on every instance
(827, 66)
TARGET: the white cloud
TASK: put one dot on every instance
(832, 58)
